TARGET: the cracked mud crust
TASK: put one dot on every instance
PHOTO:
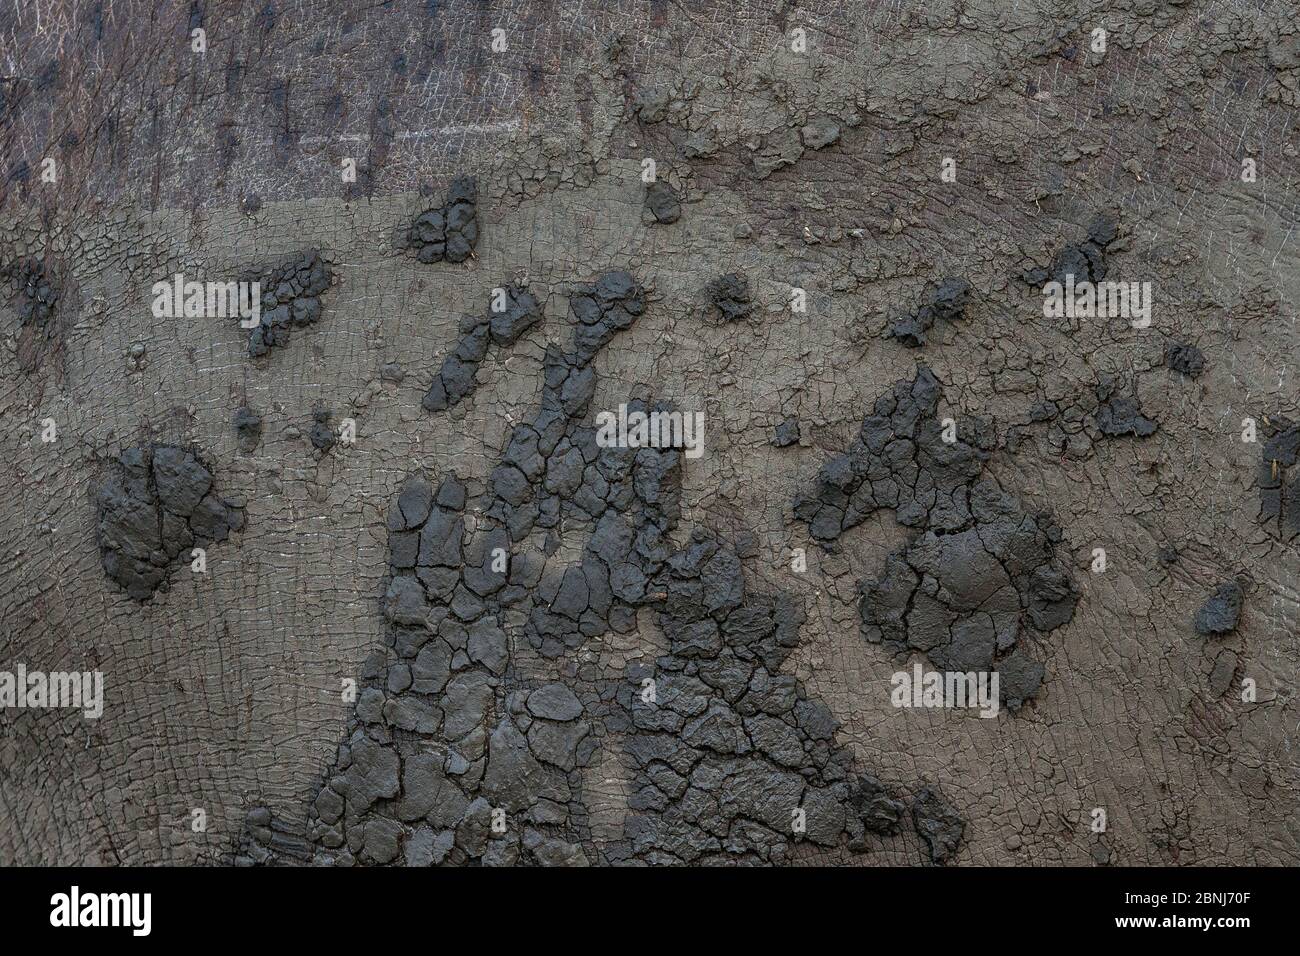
(365, 582)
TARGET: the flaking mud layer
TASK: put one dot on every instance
(451, 732)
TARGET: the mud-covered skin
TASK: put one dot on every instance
(224, 692)
(453, 755)
(979, 570)
(38, 291)
(729, 297)
(663, 202)
(291, 298)
(1084, 260)
(947, 301)
(458, 375)
(157, 504)
(449, 232)
(1185, 359)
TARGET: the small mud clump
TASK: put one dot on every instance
(663, 202)
(458, 376)
(1086, 260)
(947, 301)
(1121, 415)
(248, 428)
(940, 825)
(291, 298)
(158, 503)
(729, 297)
(1220, 614)
(323, 436)
(603, 309)
(451, 231)
(879, 810)
(820, 133)
(1185, 359)
(787, 433)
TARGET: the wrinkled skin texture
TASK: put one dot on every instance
(817, 170)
